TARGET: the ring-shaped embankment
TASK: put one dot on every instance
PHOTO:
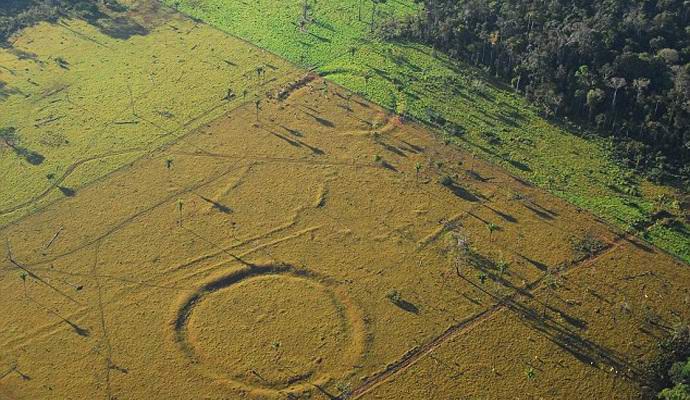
(271, 328)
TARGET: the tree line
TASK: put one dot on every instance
(621, 67)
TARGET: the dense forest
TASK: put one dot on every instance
(621, 67)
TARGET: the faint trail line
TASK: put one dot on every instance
(113, 278)
(219, 247)
(131, 218)
(8, 372)
(101, 316)
(179, 133)
(412, 357)
(334, 163)
(502, 303)
(38, 278)
(70, 169)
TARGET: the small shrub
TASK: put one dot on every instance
(531, 374)
(587, 246)
(394, 296)
(502, 266)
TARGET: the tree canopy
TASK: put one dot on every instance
(619, 66)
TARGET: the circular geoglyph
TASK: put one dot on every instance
(271, 328)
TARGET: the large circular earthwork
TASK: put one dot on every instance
(270, 328)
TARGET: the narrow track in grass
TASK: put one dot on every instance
(503, 303)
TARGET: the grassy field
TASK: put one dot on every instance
(86, 99)
(321, 248)
(488, 120)
(162, 239)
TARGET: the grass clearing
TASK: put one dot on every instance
(305, 242)
(90, 101)
(275, 256)
(484, 118)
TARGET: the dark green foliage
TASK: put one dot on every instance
(678, 392)
(394, 296)
(680, 372)
(620, 66)
(587, 246)
(669, 372)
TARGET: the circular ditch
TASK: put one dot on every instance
(272, 328)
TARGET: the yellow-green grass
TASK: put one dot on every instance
(313, 252)
(415, 80)
(90, 103)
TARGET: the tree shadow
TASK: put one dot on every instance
(389, 166)
(32, 157)
(299, 143)
(120, 27)
(67, 192)
(461, 192)
(541, 266)
(585, 350)
(405, 305)
(392, 149)
(322, 121)
(293, 132)
(566, 336)
(413, 148)
(503, 215)
(216, 205)
(519, 165)
(6, 91)
(540, 213)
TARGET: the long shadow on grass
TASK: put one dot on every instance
(567, 336)
(461, 192)
(116, 26)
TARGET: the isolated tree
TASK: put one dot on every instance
(260, 72)
(492, 228)
(180, 204)
(352, 51)
(9, 137)
(502, 267)
(257, 103)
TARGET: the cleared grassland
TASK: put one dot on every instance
(91, 98)
(319, 247)
(414, 80)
